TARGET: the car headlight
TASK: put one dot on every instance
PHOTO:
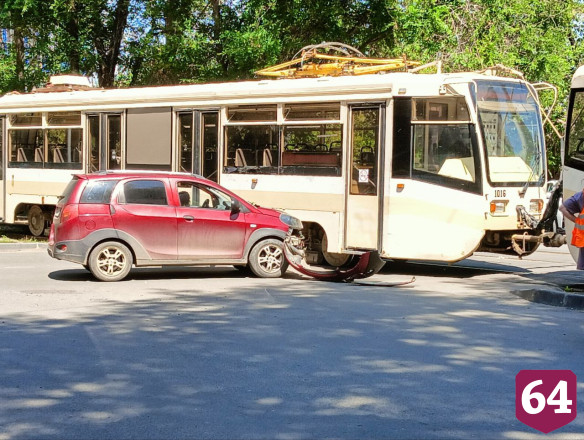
(293, 222)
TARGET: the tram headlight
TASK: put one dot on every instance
(536, 205)
(288, 220)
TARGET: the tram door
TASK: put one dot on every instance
(105, 142)
(2, 166)
(364, 179)
(198, 142)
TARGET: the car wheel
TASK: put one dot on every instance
(110, 261)
(266, 259)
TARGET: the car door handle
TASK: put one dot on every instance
(188, 218)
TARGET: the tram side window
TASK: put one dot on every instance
(308, 141)
(26, 146)
(252, 149)
(185, 142)
(1, 148)
(445, 150)
(442, 140)
(64, 146)
(45, 146)
(575, 145)
(252, 140)
(313, 149)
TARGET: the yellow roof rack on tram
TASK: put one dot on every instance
(334, 59)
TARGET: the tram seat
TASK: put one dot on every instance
(243, 157)
(21, 155)
(336, 146)
(459, 168)
(310, 158)
(210, 157)
(39, 154)
(367, 157)
(58, 156)
(267, 158)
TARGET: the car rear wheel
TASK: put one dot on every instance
(110, 261)
(266, 259)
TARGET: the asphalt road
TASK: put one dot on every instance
(207, 353)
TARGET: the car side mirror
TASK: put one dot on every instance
(235, 207)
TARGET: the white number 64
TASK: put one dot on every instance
(562, 402)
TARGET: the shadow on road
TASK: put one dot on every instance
(164, 273)
(297, 361)
(463, 269)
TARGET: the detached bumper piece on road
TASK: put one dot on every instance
(368, 264)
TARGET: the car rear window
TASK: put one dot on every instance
(98, 191)
(69, 189)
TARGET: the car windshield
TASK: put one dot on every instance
(512, 132)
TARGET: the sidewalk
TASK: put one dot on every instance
(11, 247)
(553, 279)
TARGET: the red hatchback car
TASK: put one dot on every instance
(109, 221)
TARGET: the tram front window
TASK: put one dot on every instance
(512, 132)
(575, 131)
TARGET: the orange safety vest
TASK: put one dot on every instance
(578, 232)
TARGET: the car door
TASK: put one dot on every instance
(141, 210)
(207, 229)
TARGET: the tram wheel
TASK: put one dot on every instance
(332, 258)
(36, 221)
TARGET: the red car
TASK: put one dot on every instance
(109, 221)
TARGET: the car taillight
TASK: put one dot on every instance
(69, 212)
(52, 235)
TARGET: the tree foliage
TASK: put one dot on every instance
(147, 42)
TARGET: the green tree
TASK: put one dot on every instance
(23, 44)
(81, 36)
(541, 38)
(146, 42)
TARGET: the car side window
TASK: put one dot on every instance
(98, 191)
(196, 195)
(144, 192)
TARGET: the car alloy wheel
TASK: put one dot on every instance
(110, 261)
(267, 260)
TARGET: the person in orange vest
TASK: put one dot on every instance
(573, 210)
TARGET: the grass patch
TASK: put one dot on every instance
(18, 234)
(6, 239)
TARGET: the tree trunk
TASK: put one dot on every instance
(72, 27)
(217, 31)
(109, 44)
(19, 62)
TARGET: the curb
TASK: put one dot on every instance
(557, 298)
(9, 247)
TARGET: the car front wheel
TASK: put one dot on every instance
(110, 261)
(266, 259)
